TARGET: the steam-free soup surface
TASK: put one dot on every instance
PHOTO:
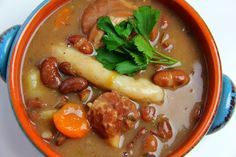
(178, 105)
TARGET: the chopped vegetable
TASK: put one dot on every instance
(111, 39)
(127, 48)
(33, 84)
(47, 114)
(146, 18)
(47, 135)
(71, 121)
(63, 17)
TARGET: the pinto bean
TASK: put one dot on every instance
(35, 104)
(81, 44)
(164, 129)
(49, 73)
(196, 113)
(66, 68)
(73, 84)
(170, 78)
(163, 23)
(148, 113)
(150, 143)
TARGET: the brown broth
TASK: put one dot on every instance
(177, 105)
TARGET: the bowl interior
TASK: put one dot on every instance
(181, 8)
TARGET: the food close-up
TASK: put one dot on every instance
(118, 78)
(110, 78)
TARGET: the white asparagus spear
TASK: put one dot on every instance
(89, 68)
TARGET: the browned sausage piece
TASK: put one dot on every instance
(111, 114)
(95, 36)
(49, 73)
(170, 78)
(164, 129)
(101, 8)
(81, 44)
(148, 113)
(92, 13)
(66, 68)
(73, 84)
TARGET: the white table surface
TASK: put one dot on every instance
(221, 18)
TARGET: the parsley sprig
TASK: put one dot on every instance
(129, 55)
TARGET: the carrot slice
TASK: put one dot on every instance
(63, 17)
(71, 121)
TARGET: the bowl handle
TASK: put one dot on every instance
(226, 106)
(6, 41)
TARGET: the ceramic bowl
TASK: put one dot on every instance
(220, 96)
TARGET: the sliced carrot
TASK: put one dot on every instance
(63, 17)
(71, 121)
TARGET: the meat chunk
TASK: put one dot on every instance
(95, 35)
(112, 114)
(102, 8)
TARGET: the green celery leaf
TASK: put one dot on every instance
(129, 67)
(143, 46)
(124, 29)
(111, 39)
(139, 58)
(146, 18)
(105, 24)
(109, 59)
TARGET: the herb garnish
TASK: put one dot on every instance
(125, 55)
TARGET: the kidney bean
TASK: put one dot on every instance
(163, 22)
(170, 78)
(73, 84)
(164, 130)
(49, 73)
(150, 143)
(60, 139)
(35, 104)
(84, 95)
(81, 44)
(196, 113)
(66, 68)
(148, 113)
(140, 132)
